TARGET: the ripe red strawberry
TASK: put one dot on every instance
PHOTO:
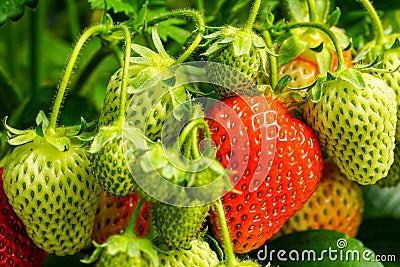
(295, 161)
(337, 204)
(16, 248)
(113, 214)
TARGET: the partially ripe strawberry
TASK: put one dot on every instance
(302, 71)
(113, 214)
(337, 204)
(253, 216)
(16, 248)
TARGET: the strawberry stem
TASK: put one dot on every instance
(130, 229)
(248, 27)
(230, 259)
(192, 128)
(125, 72)
(68, 71)
(379, 33)
(201, 27)
(328, 32)
(273, 70)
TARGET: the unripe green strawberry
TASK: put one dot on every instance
(110, 110)
(110, 168)
(199, 255)
(390, 65)
(147, 111)
(336, 204)
(393, 177)
(243, 61)
(356, 126)
(178, 226)
(54, 194)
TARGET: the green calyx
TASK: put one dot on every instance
(62, 138)
(126, 249)
(351, 75)
(136, 250)
(149, 61)
(242, 42)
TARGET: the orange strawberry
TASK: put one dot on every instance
(336, 204)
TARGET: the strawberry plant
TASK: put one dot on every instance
(199, 133)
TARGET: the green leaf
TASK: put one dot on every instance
(324, 59)
(144, 51)
(104, 135)
(173, 29)
(282, 83)
(41, 118)
(297, 11)
(178, 97)
(354, 77)
(333, 18)
(290, 49)
(146, 246)
(316, 91)
(396, 44)
(117, 244)
(124, 6)
(381, 202)
(22, 139)
(14, 9)
(241, 46)
(317, 248)
(39, 130)
(133, 248)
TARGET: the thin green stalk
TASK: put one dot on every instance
(230, 259)
(130, 229)
(195, 141)
(73, 18)
(273, 71)
(201, 27)
(200, 6)
(188, 129)
(68, 71)
(248, 27)
(379, 33)
(125, 73)
(328, 32)
(312, 10)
